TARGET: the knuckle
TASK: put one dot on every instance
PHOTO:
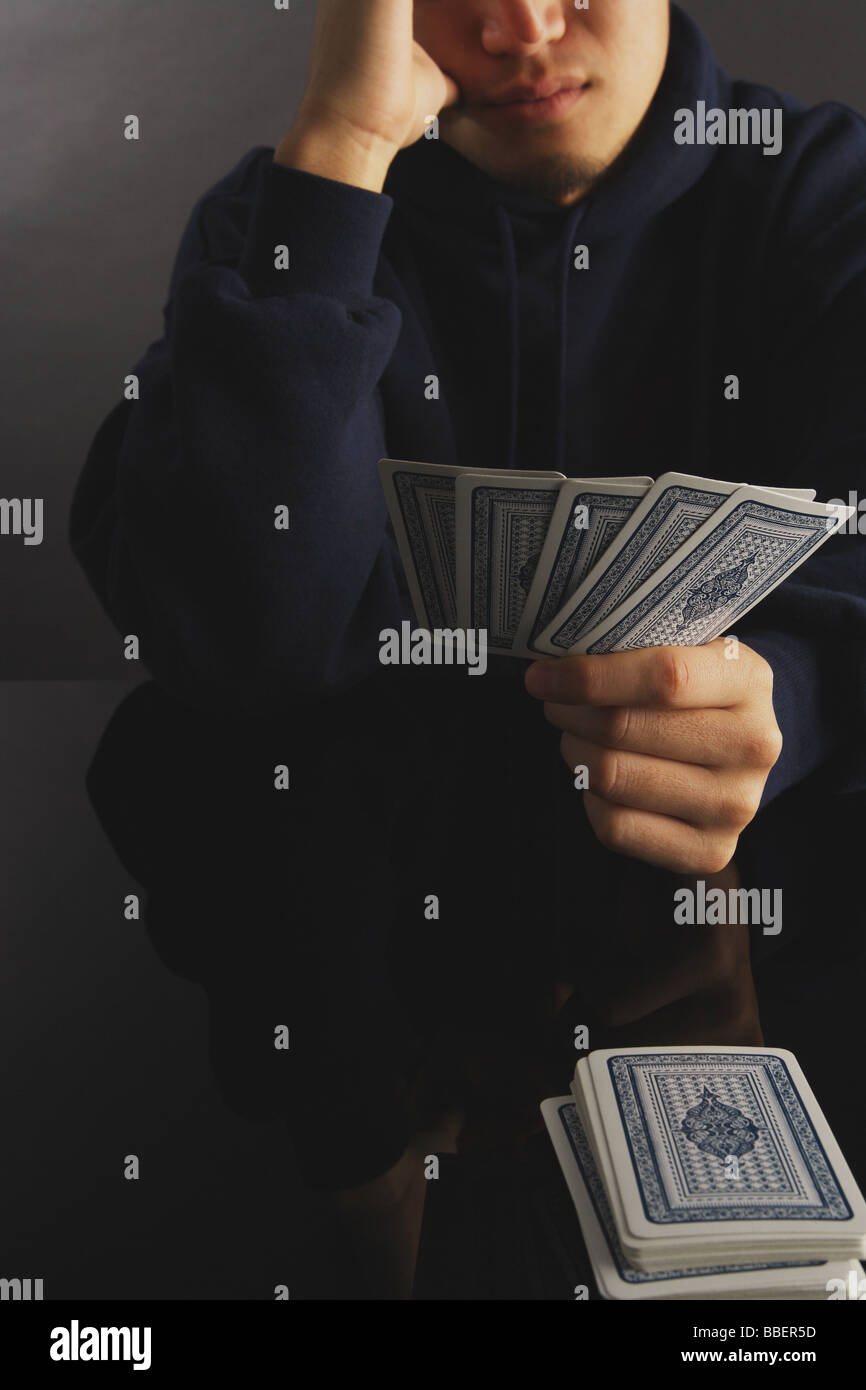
(588, 678)
(672, 675)
(737, 806)
(762, 746)
(717, 853)
(775, 743)
(619, 724)
(612, 830)
(762, 672)
(607, 773)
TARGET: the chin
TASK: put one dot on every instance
(553, 174)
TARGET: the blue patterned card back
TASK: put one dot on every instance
(686, 1116)
(580, 1147)
(751, 550)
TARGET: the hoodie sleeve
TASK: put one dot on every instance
(262, 394)
(812, 630)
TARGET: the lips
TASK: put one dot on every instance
(537, 110)
(538, 91)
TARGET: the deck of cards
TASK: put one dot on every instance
(706, 1172)
(548, 565)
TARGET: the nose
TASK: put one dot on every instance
(521, 26)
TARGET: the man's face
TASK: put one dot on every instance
(606, 60)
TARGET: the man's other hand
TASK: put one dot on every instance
(371, 89)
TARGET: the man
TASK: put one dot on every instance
(278, 386)
(283, 378)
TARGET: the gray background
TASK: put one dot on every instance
(91, 222)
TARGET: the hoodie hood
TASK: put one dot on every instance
(444, 198)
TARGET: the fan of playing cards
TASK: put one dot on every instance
(549, 565)
(706, 1172)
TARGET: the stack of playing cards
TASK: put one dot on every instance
(706, 1172)
(549, 565)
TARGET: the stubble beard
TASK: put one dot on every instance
(556, 177)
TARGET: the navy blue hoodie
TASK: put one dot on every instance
(286, 387)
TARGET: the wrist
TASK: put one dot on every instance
(333, 149)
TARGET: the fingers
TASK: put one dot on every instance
(653, 677)
(707, 738)
(699, 796)
(659, 839)
(689, 736)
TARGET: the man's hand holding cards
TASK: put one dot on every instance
(631, 584)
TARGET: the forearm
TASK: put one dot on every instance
(262, 394)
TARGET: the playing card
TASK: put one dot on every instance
(749, 546)
(806, 494)
(501, 528)
(588, 516)
(669, 513)
(420, 498)
(640, 480)
(618, 1279)
(718, 1149)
